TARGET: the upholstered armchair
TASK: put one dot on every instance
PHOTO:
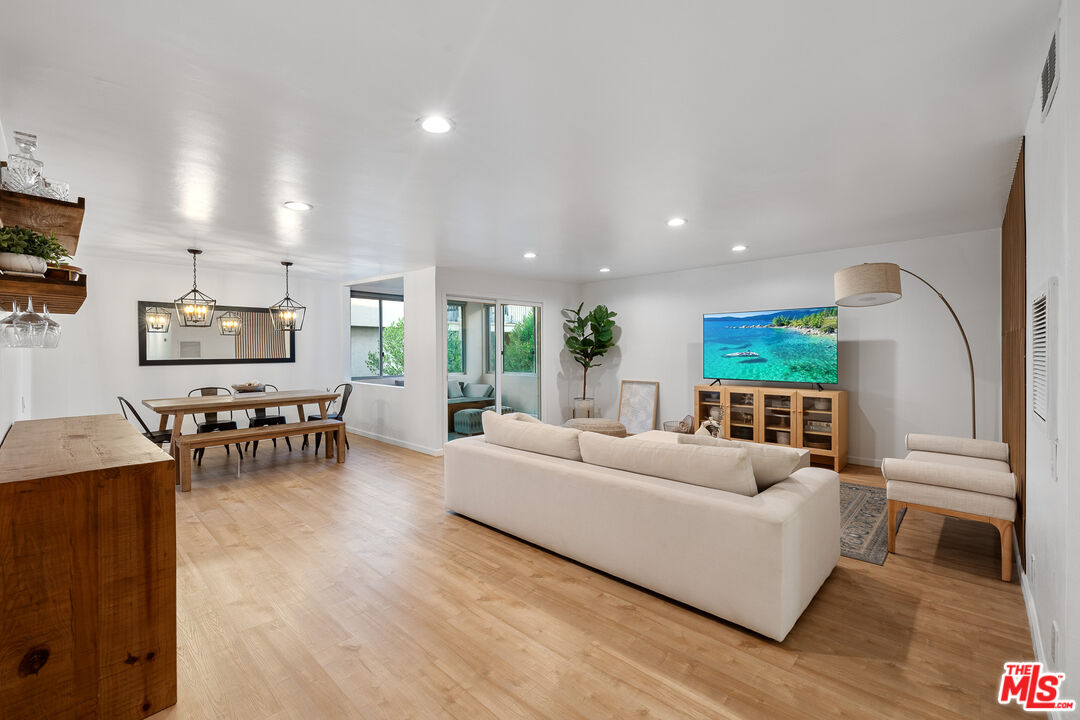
(959, 477)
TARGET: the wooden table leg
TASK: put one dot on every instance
(322, 409)
(341, 443)
(328, 438)
(185, 470)
(164, 423)
(178, 423)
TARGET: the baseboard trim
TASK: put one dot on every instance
(1033, 617)
(436, 452)
(872, 462)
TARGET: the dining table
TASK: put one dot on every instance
(179, 408)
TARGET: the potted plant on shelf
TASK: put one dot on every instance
(25, 251)
(588, 338)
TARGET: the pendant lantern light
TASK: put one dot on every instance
(287, 314)
(229, 323)
(195, 309)
(157, 319)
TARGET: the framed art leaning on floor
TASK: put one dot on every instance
(638, 405)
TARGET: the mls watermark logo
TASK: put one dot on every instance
(1031, 688)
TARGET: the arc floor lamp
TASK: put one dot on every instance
(879, 283)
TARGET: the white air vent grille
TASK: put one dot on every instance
(1050, 76)
(1043, 356)
(1040, 381)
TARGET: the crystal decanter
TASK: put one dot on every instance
(24, 172)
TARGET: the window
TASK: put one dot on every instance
(519, 339)
(455, 338)
(489, 339)
(377, 335)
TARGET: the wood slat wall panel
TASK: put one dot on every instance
(1014, 340)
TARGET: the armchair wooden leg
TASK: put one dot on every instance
(894, 508)
(1005, 529)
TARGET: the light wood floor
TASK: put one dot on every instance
(309, 589)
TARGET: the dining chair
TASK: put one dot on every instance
(211, 420)
(259, 417)
(158, 437)
(339, 414)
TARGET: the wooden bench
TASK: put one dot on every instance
(186, 443)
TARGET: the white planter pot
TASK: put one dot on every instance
(17, 262)
(584, 407)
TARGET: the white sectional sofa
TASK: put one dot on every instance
(755, 560)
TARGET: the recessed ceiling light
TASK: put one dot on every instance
(738, 248)
(529, 255)
(676, 222)
(436, 124)
(605, 269)
(298, 206)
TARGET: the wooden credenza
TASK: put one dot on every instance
(816, 420)
(87, 571)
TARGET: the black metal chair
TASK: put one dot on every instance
(158, 437)
(211, 422)
(259, 417)
(339, 414)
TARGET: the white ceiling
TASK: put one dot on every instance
(790, 126)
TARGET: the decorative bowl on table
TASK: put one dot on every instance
(249, 387)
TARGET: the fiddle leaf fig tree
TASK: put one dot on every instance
(588, 337)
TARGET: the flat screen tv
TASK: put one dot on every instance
(795, 346)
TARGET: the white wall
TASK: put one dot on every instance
(903, 363)
(410, 415)
(1052, 175)
(98, 357)
(14, 384)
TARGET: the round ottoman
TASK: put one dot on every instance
(598, 425)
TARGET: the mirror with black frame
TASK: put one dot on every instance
(236, 335)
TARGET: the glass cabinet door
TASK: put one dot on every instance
(741, 414)
(777, 425)
(817, 422)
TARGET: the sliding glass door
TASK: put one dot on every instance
(519, 380)
(492, 361)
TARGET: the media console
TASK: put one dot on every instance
(812, 419)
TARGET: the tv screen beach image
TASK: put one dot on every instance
(796, 345)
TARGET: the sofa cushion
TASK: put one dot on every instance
(976, 463)
(478, 390)
(972, 479)
(720, 468)
(958, 446)
(453, 389)
(521, 417)
(772, 464)
(947, 498)
(514, 432)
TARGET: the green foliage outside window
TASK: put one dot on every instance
(454, 362)
(393, 348)
(519, 346)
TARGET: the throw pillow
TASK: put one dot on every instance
(453, 389)
(771, 464)
(478, 390)
(726, 469)
(530, 435)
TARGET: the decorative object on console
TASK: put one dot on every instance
(684, 426)
(229, 323)
(196, 308)
(287, 314)
(879, 283)
(588, 338)
(638, 405)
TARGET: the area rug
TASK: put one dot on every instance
(864, 526)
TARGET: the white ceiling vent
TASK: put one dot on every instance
(1043, 335)
(1050, 75)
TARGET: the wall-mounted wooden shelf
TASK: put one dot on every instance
(63, 297)
(63, 219)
